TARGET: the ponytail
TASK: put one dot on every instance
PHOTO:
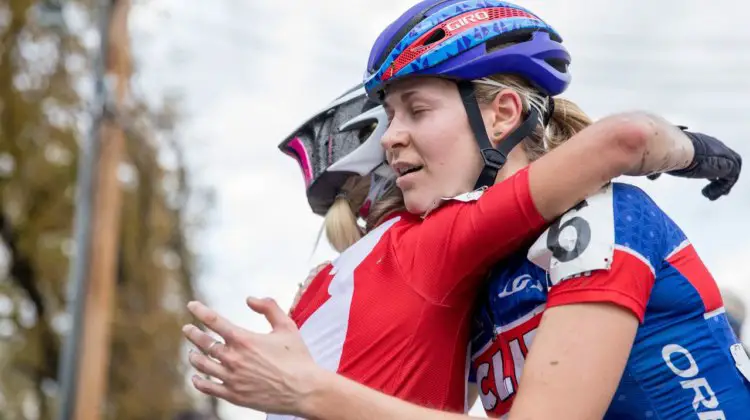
(340, 222)
(567, 120)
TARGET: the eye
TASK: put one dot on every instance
(418, 110)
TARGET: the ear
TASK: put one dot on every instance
(502, 115)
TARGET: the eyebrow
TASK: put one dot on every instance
(404, 96)
(408, 94)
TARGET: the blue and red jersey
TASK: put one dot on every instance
(618, 247)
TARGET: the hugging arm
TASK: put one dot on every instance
(634, 144)
(275, 373)
(590, 342)
(624, 144)
(514, 211)
(592, 312)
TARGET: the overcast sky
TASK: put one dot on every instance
(250, 71)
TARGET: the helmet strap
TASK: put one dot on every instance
(494, 158)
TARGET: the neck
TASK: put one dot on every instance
(517, 160)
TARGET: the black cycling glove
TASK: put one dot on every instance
(714, 161)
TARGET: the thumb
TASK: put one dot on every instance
(271, 310)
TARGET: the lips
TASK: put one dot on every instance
(411, 171)
(404, 168)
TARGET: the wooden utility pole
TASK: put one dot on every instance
(99, 302)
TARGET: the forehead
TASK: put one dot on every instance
(401, 90)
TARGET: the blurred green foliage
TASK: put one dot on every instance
(44, 68)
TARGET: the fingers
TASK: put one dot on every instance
(718, 188)
(303, 286)
(214, 321)
(205, 343)
(211, 388)
(296, 300)
(300, 291)
(314, 272)
(208, 366)
(273, 313)
(728, 176)
(200, 339)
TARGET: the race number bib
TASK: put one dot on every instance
(581, 241)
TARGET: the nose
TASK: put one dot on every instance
(394, 138)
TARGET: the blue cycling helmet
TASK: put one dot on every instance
(465, 40)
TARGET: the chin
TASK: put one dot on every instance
(415, 203)
(413, 208)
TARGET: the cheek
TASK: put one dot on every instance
(443, 143)
(459, 168)
(453, 153)
(450, 153)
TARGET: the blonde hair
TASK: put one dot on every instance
(340, 222)
(391, 201)
(567, 119)
(341, 227)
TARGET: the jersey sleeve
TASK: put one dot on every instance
(605, 250)
(463, 239)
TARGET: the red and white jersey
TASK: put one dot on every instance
(393, 311)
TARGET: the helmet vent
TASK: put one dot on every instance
(511, 38)
(435, 37)
(558, 64)
(365, 132)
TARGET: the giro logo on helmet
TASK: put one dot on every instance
(475, 17)
(465, 20)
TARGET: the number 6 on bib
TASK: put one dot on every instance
(581, 241)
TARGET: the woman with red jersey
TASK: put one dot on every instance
(378, 314)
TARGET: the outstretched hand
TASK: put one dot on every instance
(266, 372)
(713, 161)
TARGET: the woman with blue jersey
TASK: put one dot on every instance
(512, 112)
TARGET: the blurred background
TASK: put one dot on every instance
(202, 205)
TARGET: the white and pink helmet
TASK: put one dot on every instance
(337, 142)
